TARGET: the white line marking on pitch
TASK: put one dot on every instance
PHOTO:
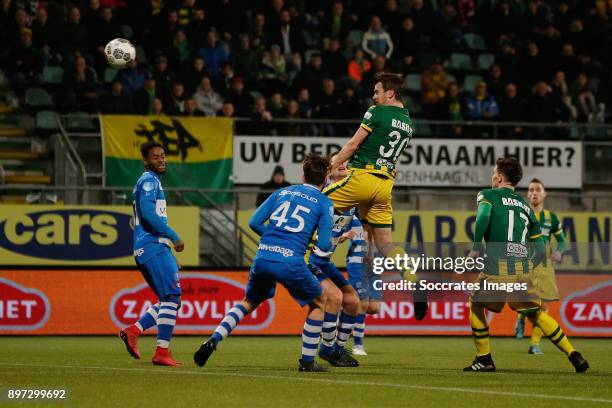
(320, 380)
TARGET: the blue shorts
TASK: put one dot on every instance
(331, 271)
(297, 278)
(363, 282)
(161, 273)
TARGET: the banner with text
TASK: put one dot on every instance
(424, 163)
(83, 235)
(198, 150)
(101, 302)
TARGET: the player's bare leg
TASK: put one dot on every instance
(385, 245)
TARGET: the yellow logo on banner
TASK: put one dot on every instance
(185, 140)
(83, 235)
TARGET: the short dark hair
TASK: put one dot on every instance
(537, 180)
(316, 168)
(145, 148)
(391, 82)
(510, 168)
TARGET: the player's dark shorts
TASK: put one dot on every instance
(161, 273)
(331, 271)
(362, 282)
(297, 278)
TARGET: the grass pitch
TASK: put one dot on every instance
(262, 372)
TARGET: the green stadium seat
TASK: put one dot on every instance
(460, 61)
(79, 121)
(46, 120)
(427, 59)
(485, 61)
(470, 81)
(110, 74)
(413, 82)
(53, 75)
(37, 97)
(475, 41)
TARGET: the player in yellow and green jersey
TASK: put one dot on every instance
(373, 153)
(544, 274)
(514, 246)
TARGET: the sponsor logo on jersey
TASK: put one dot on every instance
(22, 308)
(589, 310)
(73, 234)
(516, 250)
(298, 194)
(204, 302)
(286, 252)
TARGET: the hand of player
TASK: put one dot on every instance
(179, 245)
(346, 235)
(473, 254)
(556, 256)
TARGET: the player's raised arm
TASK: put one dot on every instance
(483, 217)
(150, 219)
(349, 148)
(261, 215)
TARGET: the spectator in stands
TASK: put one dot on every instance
(541, 107)
(305, 104)
(452, 109)
(24, 61)
(336, 24)
(376, 41)
(334, 63)
(46, 35)
(186, 12)
(143, 100)
(568, 62)
(214, 52)
(116, 101)
(511, 109)
(157, 107)
(358, 66)
(481, 106)
(289, 36)
(192, 76)
(424, 21)
(106, 29)
(260, 34)
(75, 35)
(276, 182)
(391, 18)
(245, 60)
(207, 99)
(81, 85)
(311, 75)
(178, 54)
(176, 101)
(132, 79)
(163, 77)
(293, 112)
(199, 28)
(273, 70)
(227, 111)
(448, 31)
(367, 84)
(261, 118)
(561, 93)
(496, 83)
(329, 106)
(242, 101)
(408, 43)
(191, 108)
(583, 97)
(434, 82)
(277, 105)
(223, 82)
(533, 67)
(507, 60)
(166, 29)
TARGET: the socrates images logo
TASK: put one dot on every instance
(70, 234)
(590, 310)
(22, 308)
(205, 300)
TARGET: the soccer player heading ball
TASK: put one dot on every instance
(153, 239)
(373, 153)
(514, 247)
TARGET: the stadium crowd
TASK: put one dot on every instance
(506, 60)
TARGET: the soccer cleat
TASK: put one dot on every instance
(535, 349)
(130, 335)
(519, 329)
(482, 364)
(420, 304)
(163, 357)
(341, 358)
(359, 351)
(312, 367)
(201, 356)
(579, 363)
